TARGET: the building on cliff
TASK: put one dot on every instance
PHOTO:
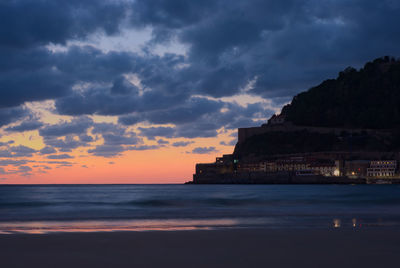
(382, 169)
(325, 164)
(285, 170)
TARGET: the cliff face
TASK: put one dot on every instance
(367, 98)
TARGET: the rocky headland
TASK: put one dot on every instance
(345, 130)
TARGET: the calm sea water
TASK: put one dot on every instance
(42, 209)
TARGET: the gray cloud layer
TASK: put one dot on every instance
(274, 49)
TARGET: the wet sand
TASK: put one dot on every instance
(372, 247)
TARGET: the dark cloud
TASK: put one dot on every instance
(64, 145)
(59, 156)
(60, 163)
(19, 86)
(22, 151)
(64, 164)
(9, 115)
(131, 119)
(12, 162)
(90, 64)
(232, 117)
(42, 167)
(229, 45)
(244, 40)
(144, 147)
(76, 126)
(153, 132)
(200, 129)
(66, 136)
(232, 142)
(189, 111)
(35, 74)
(224, 81)
(85, 138)
(272, 49)
(6, 143)
(178, 113)
(6, 153)
(118, 96)
(122, 86)
(48, 150)
(204, 117)
(24, 169)
(182, 143)
(96, 101)
(162, 142)
(204, 150)
(25, 126)
(116, 139)
(236, 116)
(101, 128)
(126, 139)
(27, 23)
(170, 14)
(107, 150)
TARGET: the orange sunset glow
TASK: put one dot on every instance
(166, 165)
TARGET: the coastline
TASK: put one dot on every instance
(283, 178)
(368, 247)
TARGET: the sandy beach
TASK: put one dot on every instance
(211, 248)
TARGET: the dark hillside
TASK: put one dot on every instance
(278, 142)
(367, 98)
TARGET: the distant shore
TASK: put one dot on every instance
(283, 178)
(369, 247)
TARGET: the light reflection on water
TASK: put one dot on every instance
(46, 227)
(112, 226)
(336, 223)
(359, 223)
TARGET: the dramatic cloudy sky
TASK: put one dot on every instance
(141, 90)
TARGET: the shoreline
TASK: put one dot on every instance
(369, 247)
(285, 179)
(272, 222)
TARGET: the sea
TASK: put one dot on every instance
(41, 209)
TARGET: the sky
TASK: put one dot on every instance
(138, 91)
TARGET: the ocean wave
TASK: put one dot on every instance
(25, 204)
(207, 202)
(165, 201)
